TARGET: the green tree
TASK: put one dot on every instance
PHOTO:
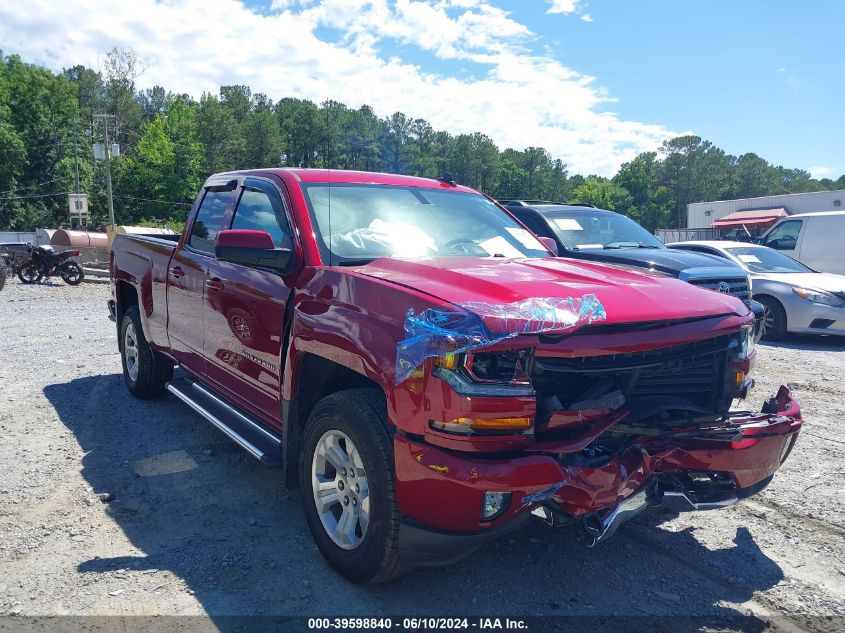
(603, 193)
(218, 134)
(651, 204)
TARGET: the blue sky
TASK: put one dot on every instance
(594, 81)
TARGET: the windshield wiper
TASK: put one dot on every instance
(356, 262)
(629, 245)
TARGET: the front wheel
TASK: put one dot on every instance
(72, 273)
(348, 486)
(29, 273)
(774, 319)
(145, 372)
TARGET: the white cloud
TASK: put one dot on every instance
(563, 6)
(822, 172)
(518, 98)
(587, 17)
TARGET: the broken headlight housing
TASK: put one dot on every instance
(497, 374)
(747, 342)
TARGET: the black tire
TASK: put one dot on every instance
(2, 276)
(72, 273)
(153, 369)
(29, 273)
(775, 319)
(359, 414)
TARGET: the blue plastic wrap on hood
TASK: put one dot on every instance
(440, 331)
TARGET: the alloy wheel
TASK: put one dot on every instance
(341, 491)
(130, 351)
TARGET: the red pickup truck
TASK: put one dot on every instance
(429, 375)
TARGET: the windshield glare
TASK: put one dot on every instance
(357, 223)
(600, 230)
(766, 260)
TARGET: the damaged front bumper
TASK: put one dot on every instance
(440, 492)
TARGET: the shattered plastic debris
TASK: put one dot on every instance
(439, 331)
(543, 495)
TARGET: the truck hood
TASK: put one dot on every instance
(664, 260)
(627, 295)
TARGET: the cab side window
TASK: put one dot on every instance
(785, 235)
(260, 210)
(207, 223)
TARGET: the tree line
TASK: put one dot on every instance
(170, 142)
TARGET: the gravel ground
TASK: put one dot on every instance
(112, 506)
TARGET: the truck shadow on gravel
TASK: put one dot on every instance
(200, 508)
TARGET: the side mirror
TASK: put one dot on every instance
(252, 248)
(550, 244)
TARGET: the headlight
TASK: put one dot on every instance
(499, 374)
(817, 296)
(747, 342)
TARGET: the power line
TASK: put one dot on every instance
(35, 195)
(184, 204)
(30, 186)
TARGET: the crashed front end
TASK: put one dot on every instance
(593, 424)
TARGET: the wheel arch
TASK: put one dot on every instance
(316, 378)
(764, 297)
(126, 296)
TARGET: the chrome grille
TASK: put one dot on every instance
(736, 287)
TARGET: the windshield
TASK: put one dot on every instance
(584, 229)
(358, 223)
(766, 260)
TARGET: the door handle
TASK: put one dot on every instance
(214, 284)
(177, 272)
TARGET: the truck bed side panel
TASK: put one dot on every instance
(143, 263)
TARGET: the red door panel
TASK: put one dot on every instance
(245, 310)
(185, 296)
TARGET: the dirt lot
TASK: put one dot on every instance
(192, 525)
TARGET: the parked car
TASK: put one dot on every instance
(797, 298)
(738, 235)
(814, 239)
(585, 232)
(430, 376)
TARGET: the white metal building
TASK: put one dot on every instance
(703, 214)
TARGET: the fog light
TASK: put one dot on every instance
(494, 504)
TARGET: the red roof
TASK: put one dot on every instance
(751, 217)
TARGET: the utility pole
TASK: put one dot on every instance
(107, 153)
(75, 151)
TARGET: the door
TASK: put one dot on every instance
(784, 237)
(245, 309)
(187, 275)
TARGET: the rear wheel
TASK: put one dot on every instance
(774, 319)
(72, 273)
(29, 273)
(145, 372)
(348, 486)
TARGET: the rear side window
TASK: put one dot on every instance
(259, 211)
(207, 224)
